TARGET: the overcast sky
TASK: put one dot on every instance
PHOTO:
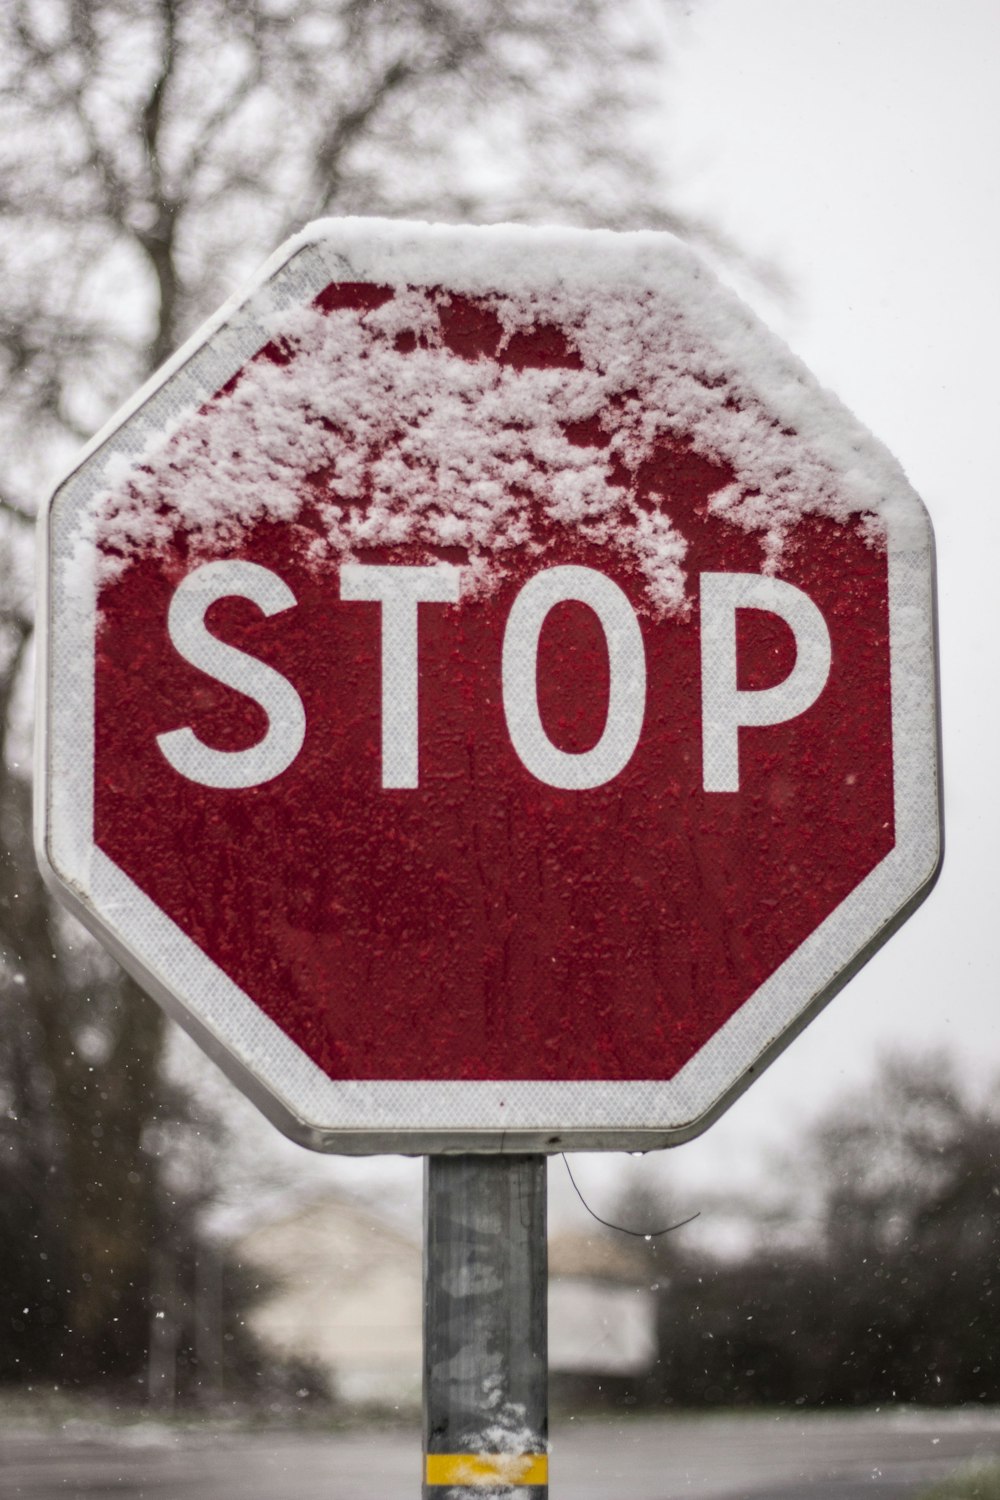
(857, 145)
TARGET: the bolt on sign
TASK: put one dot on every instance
(489, 690)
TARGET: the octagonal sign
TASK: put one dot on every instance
(489, 690)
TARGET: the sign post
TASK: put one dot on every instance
(488, 697)
(485, 1325)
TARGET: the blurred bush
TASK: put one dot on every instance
(877, 1281)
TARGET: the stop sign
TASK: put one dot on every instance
(490, 690)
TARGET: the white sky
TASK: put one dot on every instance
(857, 144)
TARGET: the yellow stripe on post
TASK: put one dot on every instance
(487, 1470)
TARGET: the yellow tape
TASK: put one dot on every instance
(487, 1470)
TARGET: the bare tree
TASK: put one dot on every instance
(151, 152)
(155, 150)
(881, 1283)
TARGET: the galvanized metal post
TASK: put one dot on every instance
(485, 1328)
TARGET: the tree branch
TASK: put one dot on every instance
(17, 511)
(22, 629)
(158, 241)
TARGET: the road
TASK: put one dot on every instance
(773, 1457)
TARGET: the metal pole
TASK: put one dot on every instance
(485, 1327)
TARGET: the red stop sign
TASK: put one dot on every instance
(491, 690)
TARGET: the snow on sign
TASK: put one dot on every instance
(490, 690)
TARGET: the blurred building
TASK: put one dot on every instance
(347, 1296)
(602, 1308)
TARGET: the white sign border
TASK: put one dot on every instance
(421, 1117)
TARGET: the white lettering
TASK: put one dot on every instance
(574, 771)
(399, 591)
(245, 674)
(726, 707)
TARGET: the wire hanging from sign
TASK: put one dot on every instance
(638, 1234)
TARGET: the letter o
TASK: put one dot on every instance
(574, 770)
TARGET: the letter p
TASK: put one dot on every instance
(724, 706)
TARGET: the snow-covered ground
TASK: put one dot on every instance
(771, 1456)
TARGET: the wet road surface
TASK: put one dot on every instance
(894, 1456)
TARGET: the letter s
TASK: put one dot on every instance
(286, 728)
